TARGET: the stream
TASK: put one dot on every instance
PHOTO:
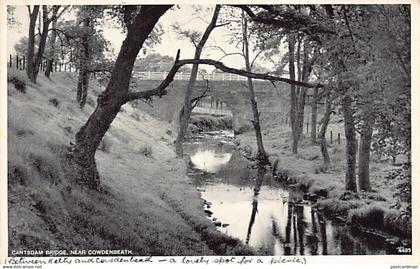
(249, 205)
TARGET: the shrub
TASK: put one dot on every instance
(334, 206)
(371, 216)
(397, 224)
(20, 85)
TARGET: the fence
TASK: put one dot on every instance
(19, 62)
(149, 75)
(329, 139)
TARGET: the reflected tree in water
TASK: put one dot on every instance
(260, 175)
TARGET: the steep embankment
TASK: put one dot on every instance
(150, 206)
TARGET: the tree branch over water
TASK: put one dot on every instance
(161, 89)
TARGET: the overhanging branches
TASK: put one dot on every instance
(161, 89)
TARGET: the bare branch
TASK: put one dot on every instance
(255, 58)
(62, 11)
(222, 67)
(222, 24)
(195, 100)
(226, 54)
(159, 90)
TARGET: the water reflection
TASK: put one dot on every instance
(260, 176)
(209, 160)
(250, 206)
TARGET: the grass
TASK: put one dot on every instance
(150, 205)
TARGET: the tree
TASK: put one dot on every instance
(323, 130)
(314, 115)
(87, 16)
(140, 23)
(30, 69)
(262, 156)
(154, 62)
(187, 108)
(115, 95)
(51, 50)
(33, 59)
(11, 21)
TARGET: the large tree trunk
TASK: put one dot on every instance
(314, 113)
(114, 96)
(30, 55)
(186, 110)
(293, 105)
(322, 132)
(364, 156)
(261, 153)
(83, 80)
(351, 144)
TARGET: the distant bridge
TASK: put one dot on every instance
(217, 76)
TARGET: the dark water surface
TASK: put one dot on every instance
(249, 205)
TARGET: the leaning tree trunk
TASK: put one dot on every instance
(322, 132)
(115, 95)
(30, 66)
(364, 156)
(261, 153)
(83, 80)
(187, 108)
(314, 112)
(351, 145)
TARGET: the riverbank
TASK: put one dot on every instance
(149, 206)
(372, 212)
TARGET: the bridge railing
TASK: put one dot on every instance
(149, 75)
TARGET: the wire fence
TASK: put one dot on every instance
(19, 62)
(216, 76)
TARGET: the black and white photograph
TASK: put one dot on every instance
(208, 130)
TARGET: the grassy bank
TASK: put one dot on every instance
(368, 211)
(148, 206)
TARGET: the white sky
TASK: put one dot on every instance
(171, 42)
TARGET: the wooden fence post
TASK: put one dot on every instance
(24, 63)
(17, 62)
(331, 137)
(338, 138)
(307, 127)
(10, 61)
